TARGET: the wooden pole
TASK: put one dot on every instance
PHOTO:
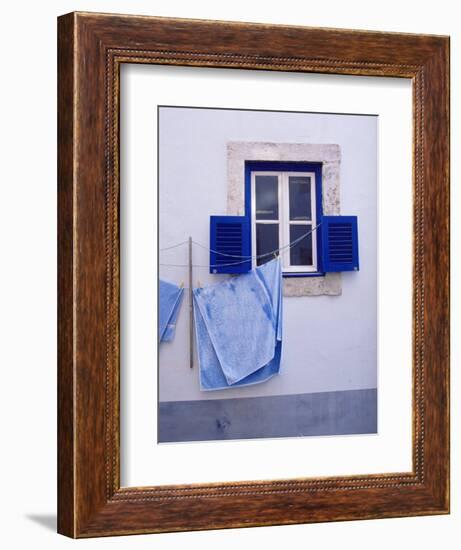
(191, 310)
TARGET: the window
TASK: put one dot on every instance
(283, 201)
(284, 217)
(281, 211)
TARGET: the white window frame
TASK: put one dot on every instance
(284, 219)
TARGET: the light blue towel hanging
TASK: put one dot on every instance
(238, 325)
(170, 298)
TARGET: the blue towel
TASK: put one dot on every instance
(238, 326)
(170, 298)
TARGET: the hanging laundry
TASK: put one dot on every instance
(170, 298)
(238, 325)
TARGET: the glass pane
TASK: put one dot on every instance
(300, 198)
(266, 188)
(267, 240)
(301, 252)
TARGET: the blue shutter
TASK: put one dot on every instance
(340, 245)
(229, 241)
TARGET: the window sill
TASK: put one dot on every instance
(312, 284)
(288, 275)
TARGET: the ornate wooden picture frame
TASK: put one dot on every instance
(92, 48)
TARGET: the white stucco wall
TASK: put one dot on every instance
(329, 341)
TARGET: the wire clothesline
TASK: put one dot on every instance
(174, 246)
(245, 259)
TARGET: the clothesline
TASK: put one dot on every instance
(190, 267)
(174, 246)
(274, 252)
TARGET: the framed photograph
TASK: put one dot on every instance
(253, 259)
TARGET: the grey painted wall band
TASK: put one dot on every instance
(311, 414)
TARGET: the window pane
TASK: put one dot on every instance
(301, 252)
(300, 198)
(267, 240)
(266, 188)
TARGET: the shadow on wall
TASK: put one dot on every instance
(47, 521)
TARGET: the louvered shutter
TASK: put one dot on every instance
(229, 241)
(340, 249)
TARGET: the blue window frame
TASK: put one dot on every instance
(269, 219)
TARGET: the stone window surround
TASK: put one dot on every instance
(238, 152)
